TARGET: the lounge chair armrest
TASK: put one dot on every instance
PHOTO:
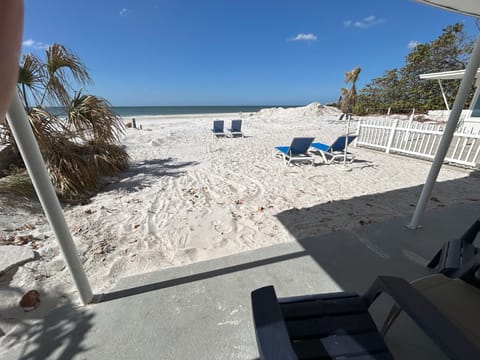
(426, 315)
(272, 337)
(468, 269)
(450, 259)
(469, 236)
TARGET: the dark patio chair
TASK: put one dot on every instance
(338, 326)
(457, 259)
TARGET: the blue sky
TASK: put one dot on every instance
(228, 52)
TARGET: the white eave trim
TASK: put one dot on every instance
(467, 7)
(447, 75)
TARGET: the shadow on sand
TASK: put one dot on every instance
(144, 174)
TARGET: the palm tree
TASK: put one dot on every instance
(350, 95)
(59, 64)
(32, 77)
(82, 146)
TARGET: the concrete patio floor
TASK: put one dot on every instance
(203, 311)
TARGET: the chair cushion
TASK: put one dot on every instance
(456, 299)
(332, 326)
(283, 149)
(327, 326)
(320, 146)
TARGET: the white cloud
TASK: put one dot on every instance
(364, 23)
(305, 37)
(412, 44)
(30, 43)
(124, 12)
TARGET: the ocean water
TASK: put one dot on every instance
(183, 110)
(131, 111)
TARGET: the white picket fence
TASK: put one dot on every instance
(421, 140)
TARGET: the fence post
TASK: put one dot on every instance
(358, 133)
(410, 119)
(391, 136)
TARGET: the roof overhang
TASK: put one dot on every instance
(447, 75)
(467, 7)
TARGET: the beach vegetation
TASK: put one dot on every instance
(348, 97)
(18, 184)
(80, 145)
(401, 89)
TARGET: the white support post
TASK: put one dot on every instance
(460, 99)
(443, 94)
(391, 136)
(28, 146)
(345, 149)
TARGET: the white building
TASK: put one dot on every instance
(470, 118)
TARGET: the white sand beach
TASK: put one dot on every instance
(189, 196)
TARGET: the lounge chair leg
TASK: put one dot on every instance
(325, 160)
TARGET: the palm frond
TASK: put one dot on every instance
(32, 73)
(70, 171)
(92, 118)
(350, 95)
(47, 128)
(31, 76)
(78, 149)
(58, 61)
(109, 159)
(76, 169)
(352, 76)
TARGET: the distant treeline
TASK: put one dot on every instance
(401, 89)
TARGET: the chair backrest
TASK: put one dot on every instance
(300, 145)
(339, 144)
(460, 257)
(237, 125)
(218, 125)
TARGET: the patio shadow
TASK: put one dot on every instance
(59, 335)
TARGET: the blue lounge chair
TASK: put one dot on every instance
(297, 151)
(218, 128)
(339, 326)
(335, 152)
(236, 128)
